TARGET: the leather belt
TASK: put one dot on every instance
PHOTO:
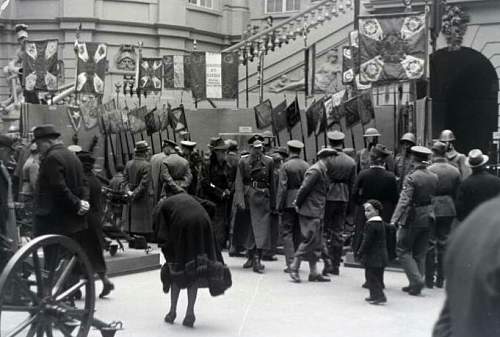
(258, 184)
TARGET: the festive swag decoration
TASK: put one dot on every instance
(454, 26)
(90, 67)
(150, 74)
(40, 65)
(392, 48)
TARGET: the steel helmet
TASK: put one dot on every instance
(446, 136)
(408, 137)
(371, 132)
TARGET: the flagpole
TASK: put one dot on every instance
(160, 124)
(303, 137)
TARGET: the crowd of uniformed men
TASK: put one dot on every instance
(269, 197)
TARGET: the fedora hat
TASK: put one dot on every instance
(283, 151)
(213, 141)
(141, 146)
(44, 131)
(254, 138)
(219, 144)
(476, 158)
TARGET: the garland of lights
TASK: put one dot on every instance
(454, 26)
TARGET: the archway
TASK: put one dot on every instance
(464, 91)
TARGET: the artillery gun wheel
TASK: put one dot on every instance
(38, 287)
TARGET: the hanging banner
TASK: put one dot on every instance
(214, 75)
(347, 66)
(392, 48)
(90, 67)
(176, 71)
(263, 114)
(75, 118)
(150, 74)
(40, 65)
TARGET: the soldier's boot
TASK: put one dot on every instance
(258, 267)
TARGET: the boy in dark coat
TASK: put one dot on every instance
(373, 251)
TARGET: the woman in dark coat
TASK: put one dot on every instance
(93, 236)
(193, 260)
(373, 251)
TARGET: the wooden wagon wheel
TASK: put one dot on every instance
(38, 287)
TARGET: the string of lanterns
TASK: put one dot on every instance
(283, 34)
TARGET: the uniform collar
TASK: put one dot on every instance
(375, 218)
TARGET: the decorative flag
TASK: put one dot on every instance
(351, 112)
(392, 48)
(90, 114)
(279, 116)
(336, 112)
(136, 119)
(263, 114)
(176, 71)
(40, 65)
(313, 116)
(177, 118)
(293, 113)
(214, 75)
(310, 69)
(347, 66)
(75, 118)
(365, 107)
(150, 74)
(164, 122)
(90, 67)
(152, 122)
(4, 5)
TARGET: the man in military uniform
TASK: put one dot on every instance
(195, 162)
(414, 214)
(279, 155)
(291, 177)
(215, 186)
(342, 178)
(454, 157)
(254, 189)
(445, 212)
(371, 136)
(175, 173)
(404, 164)
(310, 205)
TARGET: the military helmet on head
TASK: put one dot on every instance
(446, 136)
(371, 132)
(408, 137)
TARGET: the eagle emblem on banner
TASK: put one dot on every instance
(90, 67)
(392, 48)
(40, 65)
(150, 74)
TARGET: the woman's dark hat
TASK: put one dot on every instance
(44, 131)
(379, 151)
(86, 157)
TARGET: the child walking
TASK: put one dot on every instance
(373, 251)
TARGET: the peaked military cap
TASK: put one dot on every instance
(295, 144)
(255, 137)
(326, 152)
(188, 143)
(335, 135)
(421, 150)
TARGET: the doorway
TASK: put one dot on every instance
(464, 91)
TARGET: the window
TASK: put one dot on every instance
(202, 3)
(276, 6)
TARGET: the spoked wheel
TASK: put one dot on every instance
(39, 288)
